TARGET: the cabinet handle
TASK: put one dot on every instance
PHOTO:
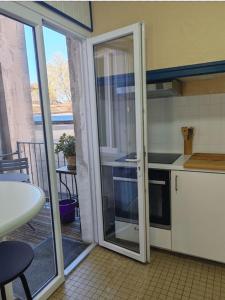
(176, 186)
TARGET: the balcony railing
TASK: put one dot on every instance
(36, 154)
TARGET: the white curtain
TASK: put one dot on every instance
(83, 173)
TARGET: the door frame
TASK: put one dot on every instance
(141, 139)
(29, 16)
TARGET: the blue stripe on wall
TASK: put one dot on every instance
(166, 74)
(185, 71)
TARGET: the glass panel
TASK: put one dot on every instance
(59, 51)
(114, 69)
(156, 204)
(22, 136)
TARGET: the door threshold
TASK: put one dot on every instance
(79, 259)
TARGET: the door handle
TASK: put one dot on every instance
(125, 179)
(132, 160)
(176, 183)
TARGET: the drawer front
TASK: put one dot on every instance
(160, 238)
(127, 231)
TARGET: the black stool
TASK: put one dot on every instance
(15, 258)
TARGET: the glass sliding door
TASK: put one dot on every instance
(119, 143)
(62, 81)
(22, 137)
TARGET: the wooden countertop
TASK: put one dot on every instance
(206, 161)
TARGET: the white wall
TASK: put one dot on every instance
(177, 33)
(167, 116)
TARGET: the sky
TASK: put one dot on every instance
(54, 43)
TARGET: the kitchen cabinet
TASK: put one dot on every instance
(198, 214)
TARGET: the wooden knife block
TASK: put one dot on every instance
(188, 147)
(188, 139)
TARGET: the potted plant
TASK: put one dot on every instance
(66, 144)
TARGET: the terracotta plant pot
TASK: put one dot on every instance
(71, 162)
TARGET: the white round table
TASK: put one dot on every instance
(19, 203)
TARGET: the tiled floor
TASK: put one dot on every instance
(107, 275)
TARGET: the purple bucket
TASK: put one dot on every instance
(67, 210)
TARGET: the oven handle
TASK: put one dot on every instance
(159, 182)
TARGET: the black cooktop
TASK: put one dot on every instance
(163, 158)
(160, 158)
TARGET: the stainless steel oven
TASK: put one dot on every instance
(126, 201)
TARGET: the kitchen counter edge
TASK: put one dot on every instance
(178, 165)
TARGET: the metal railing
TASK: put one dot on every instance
(36, 155)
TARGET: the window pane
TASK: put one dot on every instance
(117, 132)
(60, 51)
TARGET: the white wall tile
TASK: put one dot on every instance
(205, 113)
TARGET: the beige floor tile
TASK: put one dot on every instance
(107, 275)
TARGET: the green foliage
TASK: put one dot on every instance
(66, 144)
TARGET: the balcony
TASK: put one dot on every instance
(38, 232)
(35, 153)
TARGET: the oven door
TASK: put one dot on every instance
(159, 195)
(126, 194)
(126, 205)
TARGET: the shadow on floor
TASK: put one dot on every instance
(43, 267)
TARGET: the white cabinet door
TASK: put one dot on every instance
(198, 214)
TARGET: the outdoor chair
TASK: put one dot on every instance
(9, 155)
(11, 165)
